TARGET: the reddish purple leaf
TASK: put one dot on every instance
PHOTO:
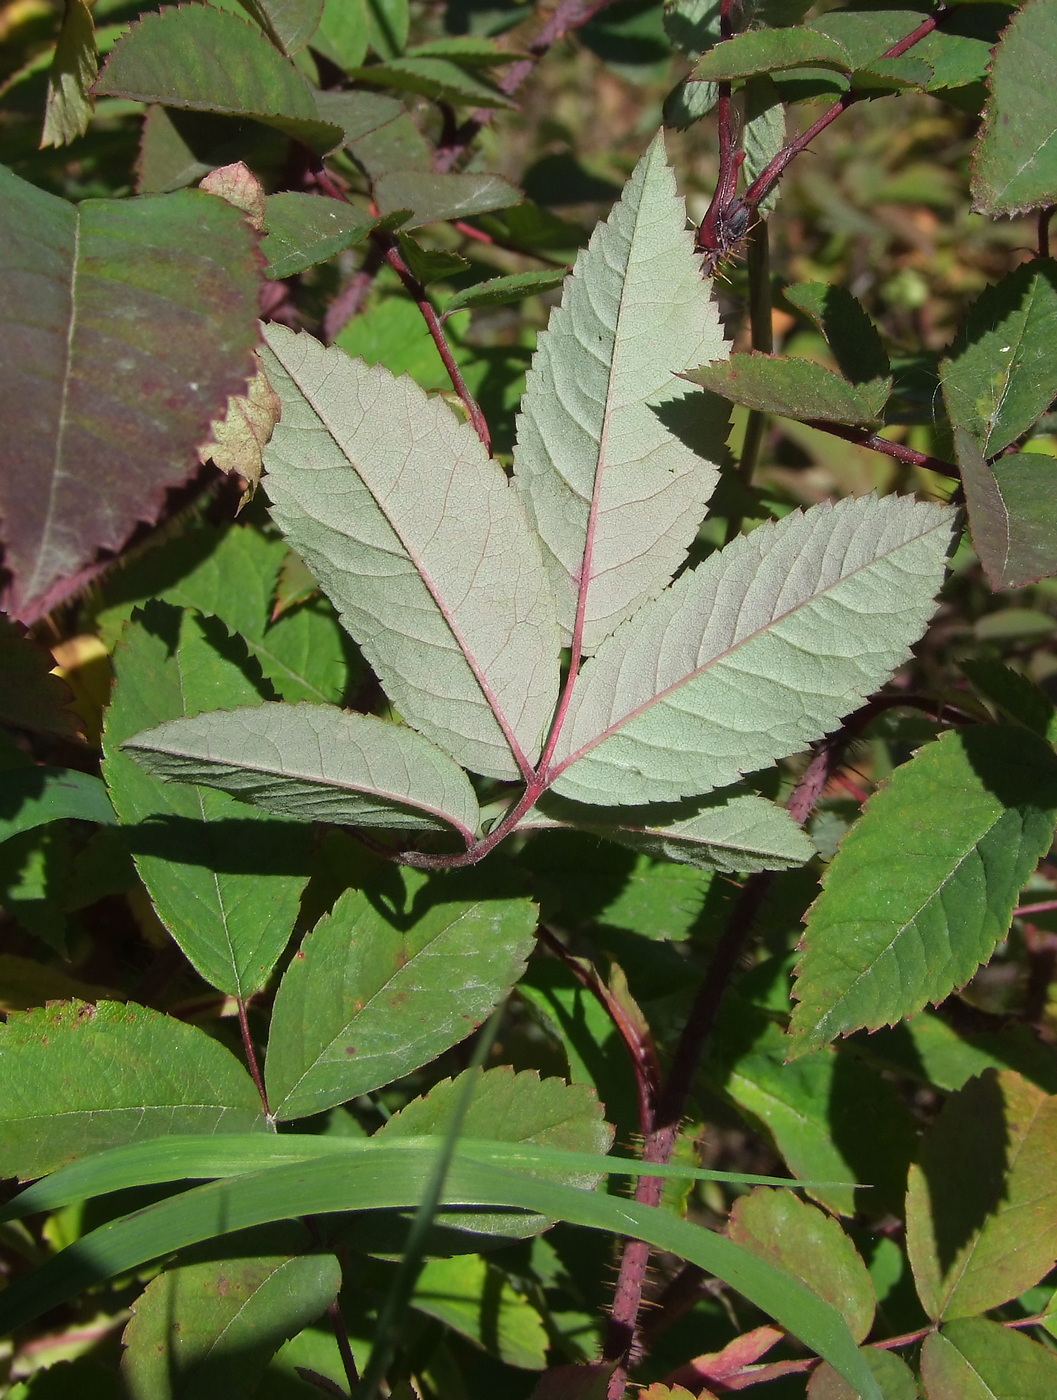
(127, 325)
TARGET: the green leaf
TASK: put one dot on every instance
(927, 1049)
(94, 436)
(925, 883)
(688, 695)
(342, 34)
(802, 1240)
(959, 53)
(793, 388)
(391, 1179)
(892, 1374)
(511, 1108)
(288, 23)
(32, 797)
(414, 549)
(730, 832)
(1012, 512)
(360, 113)
(830, 1115)
(1017, 697)
(850, 334)
(301, 230)
(435, 198)
(73, 71)
(1002, 372)
(974, 1359)
(373, 995)
(982, 1201)
(769, 51)
(315, 763)
(389, 22)
(195, 58)
(477, 1299)
(307, 654)
(1015, 164)
(616, 462)
(75, 1079)
(31, 697)
(763, 135)
(436, 78)
(471, 50)
(430, 264)
(499, 291)
(206, 1331)
(225, 880)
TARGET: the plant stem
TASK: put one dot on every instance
(390, 251)
(341, 1336)
(761, 330)
(863, 437)
(251, 1054)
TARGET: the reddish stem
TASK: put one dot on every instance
(251, 1054)
(390, 250)
(863, 437)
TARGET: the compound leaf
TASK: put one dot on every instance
(77, 1078)
(751, 656)
(1015, 164)
(225, 879)
(423, 547)
(374, 994)
(982, 1200)
(315, 763)
(924, 884)
(616, 462)
(128, 325)
(198, 59)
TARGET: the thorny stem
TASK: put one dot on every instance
(641, 1049)
(251, 1053)
(390, 250)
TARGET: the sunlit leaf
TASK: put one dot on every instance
(289, 23)
(616, 459)
(974, 1359)
(369, 998)
(76, 1078)
(1012, 512)
(315, 763)
(769, 51)
(424, 548)
(924, 885)
(73, 71)
(32, 796)
(473, 1297)
(204, 60)
(750, 656)
(982, 1200)
(302, 230)
(793, 388)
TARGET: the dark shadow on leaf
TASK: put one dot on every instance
(232, 846)
(560, 179)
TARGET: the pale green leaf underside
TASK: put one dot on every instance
(616, 495)
(924, 885)
(740, 833)
(423, 547)
(315, 763)
(755, 654)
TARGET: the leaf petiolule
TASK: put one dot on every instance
(128, 324)
(198, 59)
(754, 654)
(423, 547)
(315, 763)
(924, 885)
(616, 459)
